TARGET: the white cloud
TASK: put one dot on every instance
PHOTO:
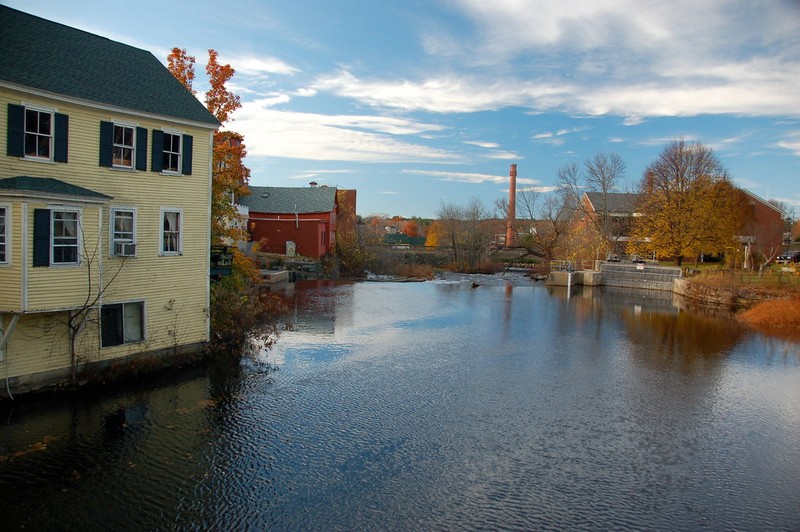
(469, 177)
(316, 174)
(273, 133)
(792, 143)
(482, 144)
(500, 154)
(461, 177)
(452, 94)
(678, 58)
(663, 141)
(252, 65)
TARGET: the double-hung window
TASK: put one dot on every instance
(123, 232)
(64, 234)
(122, 323)
(171, 156)
(4, 231)
(56, 236)
(37, 133)
(171, 231)
(172, 152)
(123, 146)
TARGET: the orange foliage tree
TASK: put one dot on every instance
(411, 229)
(229, 176)
(181, 65)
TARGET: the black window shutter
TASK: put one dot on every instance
(186, 163)
(41, 237)
(16, 131)
(61, 138)
(106, 144)
(157, 162)
(141, 148)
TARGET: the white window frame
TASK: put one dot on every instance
(143, 305)
(50, 136)
(162, 251)
(113, 240)
(179, 153)
(120, 146)
(5, 235)
(78, 231)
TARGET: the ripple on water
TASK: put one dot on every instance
(437, 406)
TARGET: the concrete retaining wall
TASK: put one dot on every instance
(642, 276)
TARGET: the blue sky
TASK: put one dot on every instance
(416, 102)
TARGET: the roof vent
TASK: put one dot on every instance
(265, 195)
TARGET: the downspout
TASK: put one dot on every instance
(24, 258)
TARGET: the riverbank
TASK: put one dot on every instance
(769, 311)
(778, 317)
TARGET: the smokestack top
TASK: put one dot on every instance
(513, 170)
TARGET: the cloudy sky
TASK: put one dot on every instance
(418, 102)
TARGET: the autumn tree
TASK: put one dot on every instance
(181, 65)
(229, 175)
(434, 234)
(219, 100)
(688, 204)
(411, 229)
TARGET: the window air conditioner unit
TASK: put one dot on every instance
(125, 250)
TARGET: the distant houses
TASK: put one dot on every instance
(104, 195)
(761, 231)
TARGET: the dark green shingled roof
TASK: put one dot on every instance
(290, 199)
(45, 55)
(50, 186)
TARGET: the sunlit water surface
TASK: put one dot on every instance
(434, 406)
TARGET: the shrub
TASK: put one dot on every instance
(243, 313)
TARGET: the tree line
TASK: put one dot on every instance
(684, 206)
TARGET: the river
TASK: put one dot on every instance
(433, 406)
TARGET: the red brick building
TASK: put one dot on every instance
(295, 220)
(763, 226)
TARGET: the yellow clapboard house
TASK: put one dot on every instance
(104, 205)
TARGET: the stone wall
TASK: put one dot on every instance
(730, 297)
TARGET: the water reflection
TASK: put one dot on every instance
(434, 406)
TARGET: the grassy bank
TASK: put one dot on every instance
(780, 318)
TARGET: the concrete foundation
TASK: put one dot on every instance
(640, 276)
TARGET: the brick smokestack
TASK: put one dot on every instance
(511, 234)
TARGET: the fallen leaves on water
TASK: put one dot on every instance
(32, 448)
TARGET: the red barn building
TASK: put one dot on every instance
(293, 220)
